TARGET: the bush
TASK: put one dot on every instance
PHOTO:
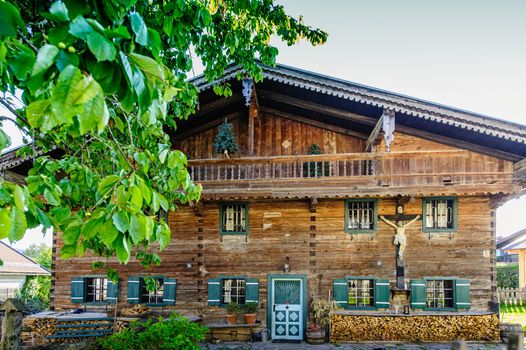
(175, 332)
(508, 276)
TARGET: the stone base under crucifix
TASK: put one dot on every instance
(400, 222)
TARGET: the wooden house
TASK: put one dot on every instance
(279, 226)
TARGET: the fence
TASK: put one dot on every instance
(511, 296)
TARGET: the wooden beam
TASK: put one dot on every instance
(314, 123)
(253, 114)
(336, 112)
(457, 143)
(217, 104)
(519, 170)
(208, 125)
(374, 134)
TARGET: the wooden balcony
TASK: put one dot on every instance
(351, 174)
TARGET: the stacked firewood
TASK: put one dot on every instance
(414, 328)
(35, 330)
(135, 311)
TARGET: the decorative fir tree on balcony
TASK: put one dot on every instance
(225, 141)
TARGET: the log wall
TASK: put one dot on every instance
(317, 246)
(273, 136)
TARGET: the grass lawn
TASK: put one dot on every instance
(514, 314)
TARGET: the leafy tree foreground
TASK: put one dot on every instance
(103, 83)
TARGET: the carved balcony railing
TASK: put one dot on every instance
(415, 168)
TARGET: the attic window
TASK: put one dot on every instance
(360, 216)
(234, 218)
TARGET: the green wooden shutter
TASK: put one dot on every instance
(418, 294)
(113, 292)
(169, 289)
(252, 290)
(77, 290)
(214, 291)
(381, 294)
(134, 288)
(341, 291)
(462, 296)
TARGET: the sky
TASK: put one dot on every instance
(467, 54)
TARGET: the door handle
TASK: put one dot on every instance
(274, 308)
(286, 307)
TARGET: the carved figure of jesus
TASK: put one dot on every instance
(400, 239)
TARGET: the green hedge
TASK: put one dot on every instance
(508, 276)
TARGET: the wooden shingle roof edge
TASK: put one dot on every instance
(381, 98)
(18, 263)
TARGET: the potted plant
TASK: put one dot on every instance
(232, 309)
(250, 313)
(322, 310)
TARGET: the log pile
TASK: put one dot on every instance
(35, 330)
(429, 328)
(135, 311)
(123, 322)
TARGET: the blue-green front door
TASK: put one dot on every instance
(287, 307)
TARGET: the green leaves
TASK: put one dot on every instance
(139, 28)
(45, 59)
(10, 19)
(102, 48)
(18, 224)
(5, 223)
(59, 11)
(121, 221)
(123, 249)
(5, 140)
(137, 228)
(149, 66)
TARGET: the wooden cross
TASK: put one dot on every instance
(399, 221)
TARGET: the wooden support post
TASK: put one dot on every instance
(374, 135)
(253, 114)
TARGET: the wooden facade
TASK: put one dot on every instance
(296, 223)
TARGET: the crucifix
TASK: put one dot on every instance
(400, 222)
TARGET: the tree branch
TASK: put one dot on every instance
(29, 43)
(21, 127)
(12, 110)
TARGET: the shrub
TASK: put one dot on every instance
(232, 308)
(175, 332)
(251, 308)
(508, 276)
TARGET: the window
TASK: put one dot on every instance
(440, 214)
(233, 290)
(155, 296)
(439, 293)
(361, 292)
(360, 216)
(96, 289)
(234, 219)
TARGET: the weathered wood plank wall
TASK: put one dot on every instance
(317, 246)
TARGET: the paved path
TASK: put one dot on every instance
(347, 346)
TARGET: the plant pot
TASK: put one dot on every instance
(250, 318)
(231, 319)
(316, 336)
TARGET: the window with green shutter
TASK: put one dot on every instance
(113, 292)
(170, 287)
(214, 291)
(439, 293)
(252, 290)
(361, 292)
(418, 294)
(462, 294)
(133, 290)
(381, 294)
(77, 290)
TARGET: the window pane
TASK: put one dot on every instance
(439, 214)
(439, 293)
(155, 296)
(360, 215)
(96, 289)
(361, 292)
(233, 218)
(233, 290)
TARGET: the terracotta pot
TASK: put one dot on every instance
(231, 319)
(250, 318)
(316, 336)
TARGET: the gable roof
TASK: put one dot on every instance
(508, 139)
(16, 263)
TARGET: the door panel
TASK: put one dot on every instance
(287, 309)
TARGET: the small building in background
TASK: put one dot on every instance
(514, 247)
(16, 267)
